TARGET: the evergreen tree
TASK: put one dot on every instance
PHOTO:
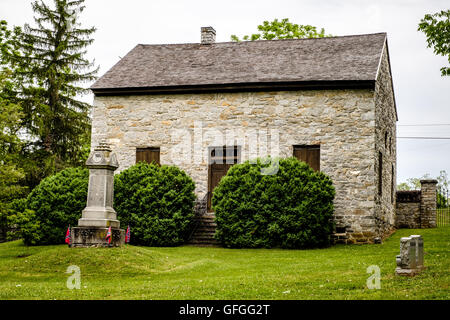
(10, 174)
(52, 66)
(10, 144)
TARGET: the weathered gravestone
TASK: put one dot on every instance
(419, 251)
(99, 214)
(410, 260)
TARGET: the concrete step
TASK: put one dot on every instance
(205, 230)
(204, 241)
(205, 222)
(206, 216)
(204, 233)
(207, 225)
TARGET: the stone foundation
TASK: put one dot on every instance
(200, 206)
(361, 229)
(85, 237)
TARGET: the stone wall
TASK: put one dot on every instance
(341, 121)
(417, 208)
(408, 209)
(361, 228)
(385, 146)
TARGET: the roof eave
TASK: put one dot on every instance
(238, 87)
(385, 45)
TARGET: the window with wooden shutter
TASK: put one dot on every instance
(309, 154)
(148, 155)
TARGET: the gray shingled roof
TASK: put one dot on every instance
(347, 58)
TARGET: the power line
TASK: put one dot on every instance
(424, 125)
(442, 138)
(428, 147)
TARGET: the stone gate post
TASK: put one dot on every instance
(428, 203)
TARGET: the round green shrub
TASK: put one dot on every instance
(53, 205)
(157, 202)
(292, 208)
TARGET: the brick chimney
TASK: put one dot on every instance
(208, 35)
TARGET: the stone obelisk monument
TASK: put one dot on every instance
(99, 214)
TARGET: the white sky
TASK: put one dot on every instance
(422, 95)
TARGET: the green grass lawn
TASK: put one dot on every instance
(190, 272)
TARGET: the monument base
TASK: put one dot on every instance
(86, 237)
(408, 272)
(99, 223)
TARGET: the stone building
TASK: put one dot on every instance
(205, 106)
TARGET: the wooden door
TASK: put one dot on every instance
(216, 172)
(220, 161)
